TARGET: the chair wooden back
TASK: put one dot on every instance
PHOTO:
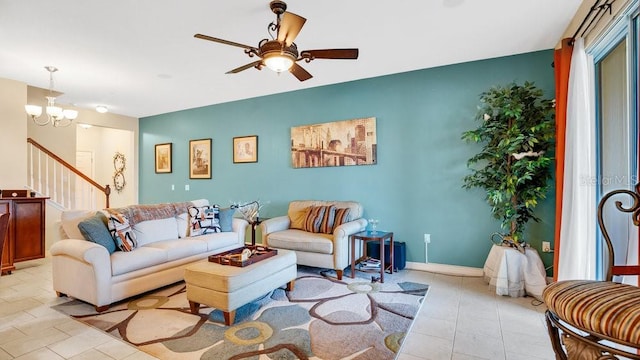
(634, 209)
(4, 228)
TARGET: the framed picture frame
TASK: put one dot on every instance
(200, 159)
(245, 149)
(163, 158)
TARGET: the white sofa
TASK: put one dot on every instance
(328, 250)
(85, 270)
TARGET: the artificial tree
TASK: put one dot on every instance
(514, 166)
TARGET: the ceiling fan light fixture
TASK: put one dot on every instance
(278, 63)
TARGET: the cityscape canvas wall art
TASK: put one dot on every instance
(338, 143)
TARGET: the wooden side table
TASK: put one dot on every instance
(365, 236)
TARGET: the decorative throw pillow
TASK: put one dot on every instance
(297, 218)
(96, 229)
(314, 219)
(204, 219)
(326, 226)
(121, 231)
(226, 219)
(341, 217)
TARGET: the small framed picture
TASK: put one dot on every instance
(245, 149)
(200, 159)
(163, 158)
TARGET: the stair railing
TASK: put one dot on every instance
(65, 185)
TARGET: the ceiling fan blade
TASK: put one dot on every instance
(299, 72)
(290, 27)
(330, 54)
(222, 41)
(244, 67)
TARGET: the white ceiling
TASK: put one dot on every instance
(139, 57)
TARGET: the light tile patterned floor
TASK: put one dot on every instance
(461, 319)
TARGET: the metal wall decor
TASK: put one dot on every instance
(119, 163)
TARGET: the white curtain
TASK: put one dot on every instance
(578, 225)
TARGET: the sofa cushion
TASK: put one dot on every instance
(180, 248)
(204, 219)
(156, 230)
(140, 258)
(95, 229)
(121, 231)
(226, 219)
(216, 241)
(602, 307)
(300, 240)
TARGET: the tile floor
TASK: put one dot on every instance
(461, 319)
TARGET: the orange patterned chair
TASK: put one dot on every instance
(597, 319)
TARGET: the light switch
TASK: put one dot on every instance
(173, 187)
(186, 187)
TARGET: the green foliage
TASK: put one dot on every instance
(516, 120)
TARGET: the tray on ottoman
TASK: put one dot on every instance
(234, 257)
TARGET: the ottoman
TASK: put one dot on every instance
(227, 287)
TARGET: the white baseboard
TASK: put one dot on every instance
(445, 269)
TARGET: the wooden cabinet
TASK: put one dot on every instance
(25, 238)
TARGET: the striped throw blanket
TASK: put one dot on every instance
(140, 213)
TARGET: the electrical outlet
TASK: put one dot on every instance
(427, 238)
(546, 246)
(173, 187)
(186, 187)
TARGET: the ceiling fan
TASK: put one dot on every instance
(281, 53)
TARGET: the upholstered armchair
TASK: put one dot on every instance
(318, 231)
(590, 319)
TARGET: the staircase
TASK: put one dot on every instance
(67, 187)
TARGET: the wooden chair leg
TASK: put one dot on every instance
(102, 308)
(194, 307)
(290, 285)
(339, 273)
(229, 317)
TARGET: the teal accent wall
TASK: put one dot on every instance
(414, 189)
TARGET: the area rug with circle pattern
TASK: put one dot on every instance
(321, 318)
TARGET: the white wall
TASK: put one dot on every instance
(104, 143)
(13, 134)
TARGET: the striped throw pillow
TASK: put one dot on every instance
(326, 226)
(342, 214)
(314, 219)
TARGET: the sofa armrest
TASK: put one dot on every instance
(269, 226)
(82, 250)
(82, 269)
(275, 224)
(350, 228)
(341, 241)
(239, 225)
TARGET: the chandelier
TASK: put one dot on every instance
(57, 116)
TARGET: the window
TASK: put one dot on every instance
(617, 137)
